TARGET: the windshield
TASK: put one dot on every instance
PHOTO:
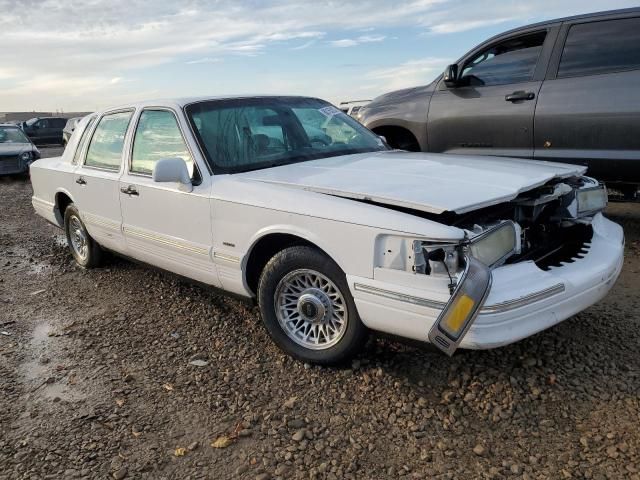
(31, 121)
(12, 135)
(240, 135)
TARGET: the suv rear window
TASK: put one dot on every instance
(601, 47)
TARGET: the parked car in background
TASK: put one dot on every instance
(328, 229)
(17, 152)
(353, 107)
(69, 127)
(564, 90)
(45, 129)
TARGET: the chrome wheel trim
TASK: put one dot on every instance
(78, 237)
(310, 309)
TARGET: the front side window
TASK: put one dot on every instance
(157, 136)
(43, 124)
(239, 135)
(601, 47)
(511, 61)
(105, 149)
(83, 140)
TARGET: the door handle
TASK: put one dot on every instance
(520, 95)
(81, 181)
(130, 190)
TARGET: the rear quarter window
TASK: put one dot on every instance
(83, 140)
(601, 47)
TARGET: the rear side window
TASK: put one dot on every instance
(601, 47)
(511, 61)
(105, 149)
(58, 122)
(83, 140)
(158, 136)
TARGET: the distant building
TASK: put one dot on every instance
(23, 116)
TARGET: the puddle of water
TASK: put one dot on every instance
(35, 369)
(40, 335)
(20, 258)
(42, 367)
(61, 391)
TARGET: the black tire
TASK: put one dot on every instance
(310, 259)
(93, 255)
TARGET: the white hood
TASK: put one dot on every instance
(432, 183)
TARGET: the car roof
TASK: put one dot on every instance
(179, 102)
(583, 16)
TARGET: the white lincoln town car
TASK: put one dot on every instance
(291, 202)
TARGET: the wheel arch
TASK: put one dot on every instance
(266, 243)
(398, 137)
(62, 200)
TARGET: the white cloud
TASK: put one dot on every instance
(203, 60)
(408, 74)
(304, 45)
(352, 42)
(65, 52)
(462, 26)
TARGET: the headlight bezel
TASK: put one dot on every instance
(26, 156)
(440, 334)
(583, 208)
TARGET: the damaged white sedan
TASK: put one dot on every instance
(291, 202)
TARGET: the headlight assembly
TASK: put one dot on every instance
(496, 244)
(591, 200)
(25, 156)
(463, 306)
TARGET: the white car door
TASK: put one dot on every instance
(164, 225)
(96, 188)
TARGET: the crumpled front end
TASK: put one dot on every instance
(17, 163)
(523, 266)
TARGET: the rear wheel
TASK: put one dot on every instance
(307, 307)
(85, 250)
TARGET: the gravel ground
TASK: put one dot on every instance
(96, 382)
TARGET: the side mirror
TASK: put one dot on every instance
(173, 170)
(451, 76)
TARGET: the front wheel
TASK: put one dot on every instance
(85, 250)
(307, 307)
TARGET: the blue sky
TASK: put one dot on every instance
(84, 55)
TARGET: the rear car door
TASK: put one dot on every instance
(491, 110)
(589, 107)
(56, 130)
(163, 224)
(96, 188)
(42, 131)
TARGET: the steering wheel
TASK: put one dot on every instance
(325, 141)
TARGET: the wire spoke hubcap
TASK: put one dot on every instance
(78, 237)
(310, 309)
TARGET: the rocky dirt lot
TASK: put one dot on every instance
(96, 381)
